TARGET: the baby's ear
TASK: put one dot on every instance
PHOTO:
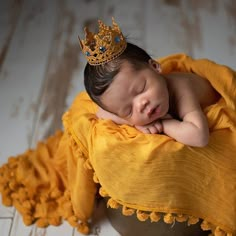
(155, 65)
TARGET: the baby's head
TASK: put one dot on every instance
(98, 78)
(122, 78)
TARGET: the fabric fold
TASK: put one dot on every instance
(152, 176)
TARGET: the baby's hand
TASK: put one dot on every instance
(153, 128)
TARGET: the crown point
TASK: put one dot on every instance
(87, 32)
(102, 26)
(80, 43)
(113, 21)
(115, 25)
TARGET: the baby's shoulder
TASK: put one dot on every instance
(189, 85)
(184, 77)
(184, 82)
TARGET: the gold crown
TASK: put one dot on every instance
(105, 46)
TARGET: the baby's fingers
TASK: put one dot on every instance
(153, 129)
(158, 126)
(143, 129)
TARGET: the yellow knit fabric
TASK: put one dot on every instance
(151, 175)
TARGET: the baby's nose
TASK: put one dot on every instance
(142, 105)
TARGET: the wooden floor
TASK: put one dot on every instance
(41, 66)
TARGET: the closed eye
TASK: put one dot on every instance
(127, 112)
(143, 87)
(130, 112)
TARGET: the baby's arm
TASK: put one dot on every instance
(193, 130)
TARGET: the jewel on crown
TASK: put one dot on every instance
(105, 46)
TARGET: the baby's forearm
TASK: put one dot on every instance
(186, 132)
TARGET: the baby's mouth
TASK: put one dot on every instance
(152, 111)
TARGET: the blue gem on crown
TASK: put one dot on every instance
(102, 49)
(117, 39)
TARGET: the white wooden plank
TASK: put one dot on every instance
(5, 226)
(163, 28)
(130, 16)
(217, 31)
(5, 212)
(64, 75)
(19, 228)
(22, 75)
(86, 14)
(61, 230)
(192, 27)
(21, 78)
(9, 13)
(38, 18)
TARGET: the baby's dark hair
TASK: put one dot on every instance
(98, 78)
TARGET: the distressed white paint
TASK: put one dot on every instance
(5, 226)
(169, 28)
(22, 76)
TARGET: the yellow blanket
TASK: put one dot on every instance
(150, 175)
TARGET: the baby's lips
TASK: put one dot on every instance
(150, 111)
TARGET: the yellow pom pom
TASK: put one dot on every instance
(55, 194)
(113, 204)
(169, 218)
(55, 221)
(181, 218)
(95, 178)
(102, 192)
(155, 216)
(206, 226)
(22, 194)
(6, 200)
(13, 185)
(127, 211)
(12, 161)
(1, 187)
(27, 204)
(83, 228)
(44, 197)
(219, 232)
(73, 221)
(42, 222)
(28, 219)
(192, 220)
(142, 216)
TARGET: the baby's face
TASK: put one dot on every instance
(139, 97)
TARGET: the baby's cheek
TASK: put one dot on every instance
(139, 121)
